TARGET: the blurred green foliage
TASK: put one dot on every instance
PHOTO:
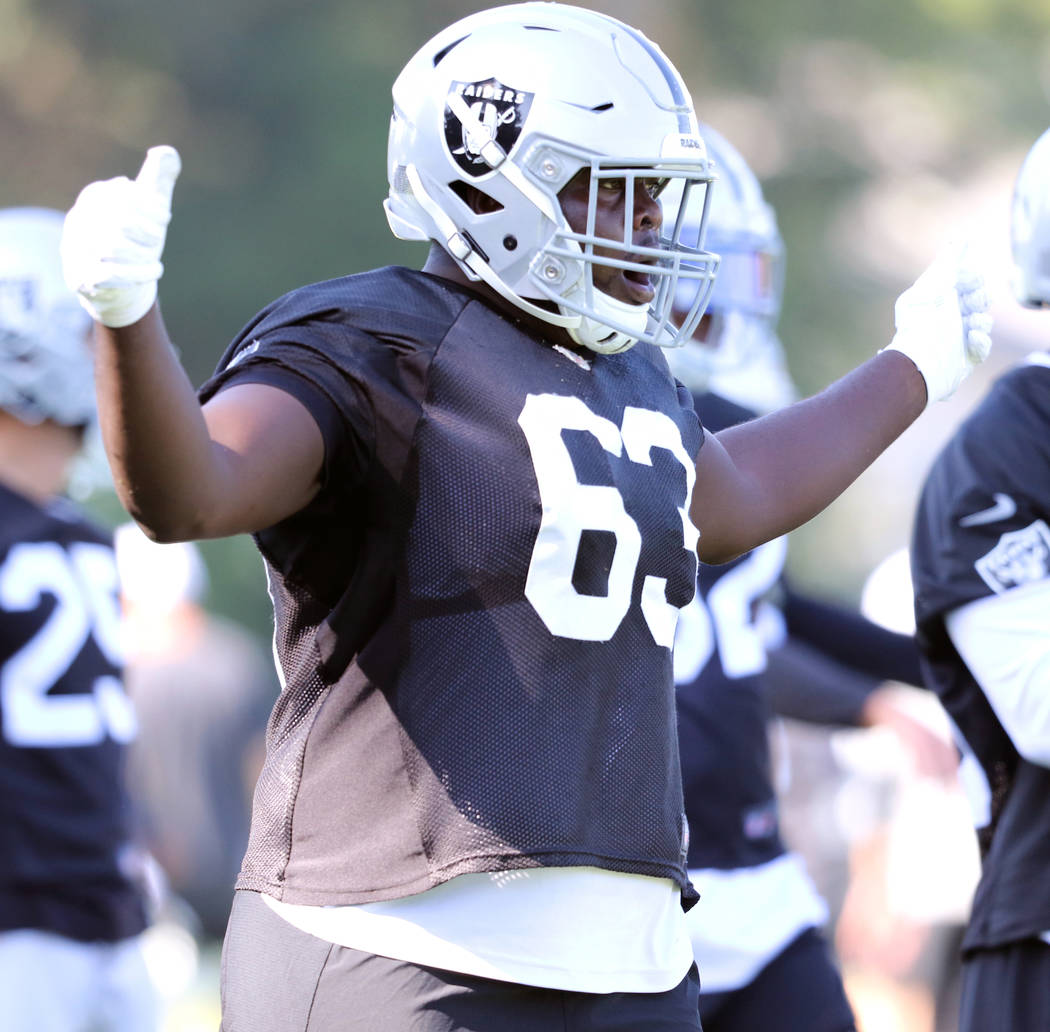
(279, 109)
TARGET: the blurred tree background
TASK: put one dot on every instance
(875, 128)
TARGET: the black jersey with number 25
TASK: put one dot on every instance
(65, 844)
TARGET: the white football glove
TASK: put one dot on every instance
(943, 323)
(113, 238)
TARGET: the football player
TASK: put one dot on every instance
(755, 932)
(473, 489)
(203, 690)
(981, 572)
(71, 909)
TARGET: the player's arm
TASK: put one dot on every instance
(1003, 641)
(807, 684)
(846, 635)
(250, 457)
(760, 479)
(765, 477)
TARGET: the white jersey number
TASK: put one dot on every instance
(570, 508)
(83, 583)
(727, 619)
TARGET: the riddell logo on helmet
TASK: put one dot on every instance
(498, 113)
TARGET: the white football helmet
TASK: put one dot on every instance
(1030, 227)
(740, 357)
(45, 357)
(515, 101)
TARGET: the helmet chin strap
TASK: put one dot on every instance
(597, 335)
(585, 330)
(460, 249)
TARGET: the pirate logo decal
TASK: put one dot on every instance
(478, 113)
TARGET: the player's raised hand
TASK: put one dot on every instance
(943, 323)
(114, 236)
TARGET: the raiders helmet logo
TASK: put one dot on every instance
(496, 112)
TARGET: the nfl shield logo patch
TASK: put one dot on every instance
(498, 111)
(1020, 557)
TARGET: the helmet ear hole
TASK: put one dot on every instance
(474, 198)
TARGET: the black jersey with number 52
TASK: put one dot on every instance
(723, 708)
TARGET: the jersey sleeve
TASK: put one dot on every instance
(1003, 641)
(807, 684)
(685, 401)
(335, 393)
(983, 522)
(849, 638)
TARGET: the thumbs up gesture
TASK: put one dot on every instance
(942, 319)
(113, 238)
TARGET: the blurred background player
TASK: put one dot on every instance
(981, 574)
(71, 911)
(737, 658)
(202, 688)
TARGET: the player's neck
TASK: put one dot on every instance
(35, 459)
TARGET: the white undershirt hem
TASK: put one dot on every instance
(582, 929)
(1002, 639)
(747, 916)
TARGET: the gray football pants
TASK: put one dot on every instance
(276, 978)
(1007, 989)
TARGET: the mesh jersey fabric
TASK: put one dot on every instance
(449, 705)
(1001, 449)
(66, 859)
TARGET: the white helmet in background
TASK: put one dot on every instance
(158, 578)
(1030, 227)
(515, 101)
(45, 358)
(740, 356)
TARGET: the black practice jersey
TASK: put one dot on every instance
(983, 529)
(64, 848)
(723, 710)
(475, 615)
